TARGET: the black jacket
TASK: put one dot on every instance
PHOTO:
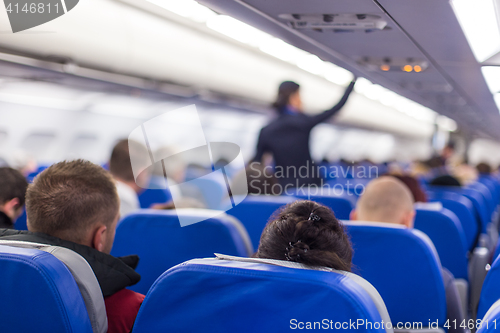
(113, 273)
(287, 139)
(5, 221)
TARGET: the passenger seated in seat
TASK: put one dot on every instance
(308, 233)
(388, 200)
(13, 187)
(75, 205)
(445, 180)
(121, 168)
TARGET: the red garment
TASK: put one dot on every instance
(121, 309)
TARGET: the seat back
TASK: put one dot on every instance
(446, 233)
(463, 209)
(159, 240)
(154, 196)
(402, 264)
(157, 193)
(21, 222)
(491, 320)
(490, 293)
(253, 296)
(84, 277)
(254, 213)
(480, 206)
(339, 202)
(39, 294)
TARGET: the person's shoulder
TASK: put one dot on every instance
(126, 297)
(122, 308)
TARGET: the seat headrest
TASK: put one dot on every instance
(402, 264)
(251, 296)
(161, 243)
(39, 294)
(84, 278)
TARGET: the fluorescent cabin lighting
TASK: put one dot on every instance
(446, 123)
(492, 76)
(479, 23)
(186, 8)
(311, 63)
(39, 101)
(362, 85)
(336, 74)
(238, 30)
(374, 92)
(282, 50)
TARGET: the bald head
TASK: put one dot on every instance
(386, 199)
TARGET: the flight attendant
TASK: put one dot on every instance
(287, 137)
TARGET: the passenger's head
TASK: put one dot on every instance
(75, 201)
(288, 95)
(414, 186)
(445, 180)
(121, 167)
(12, 192)
(385, 199)
(448, 150)
(308, 233)
(483, 168)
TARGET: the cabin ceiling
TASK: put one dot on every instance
(426, 30)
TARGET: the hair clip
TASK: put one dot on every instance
(314, 217)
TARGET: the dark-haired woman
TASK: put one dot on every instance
(287, 137)
(308, 233)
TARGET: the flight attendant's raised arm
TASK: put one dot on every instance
(314, 120)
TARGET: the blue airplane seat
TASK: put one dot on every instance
(217, 295)
(446, 233)
(32, 175)
(21, 222)
(159, 240)
(402, 264)
(481, 210)
(487, 187)
(39, 294)
(157, 193)
(463, 209)
(493, 185)
(254, 213)
(341, 203)
(490, 323)
(490, 293)
(154, 196)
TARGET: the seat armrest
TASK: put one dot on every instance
(477, 273)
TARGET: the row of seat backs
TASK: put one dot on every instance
(403, 265)
(463, 209)
(161, 243)
(493, 184)
(256, 296)
(255, 210)
(339, 201)
(48, 289)
(444, 229)
(441, 225)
